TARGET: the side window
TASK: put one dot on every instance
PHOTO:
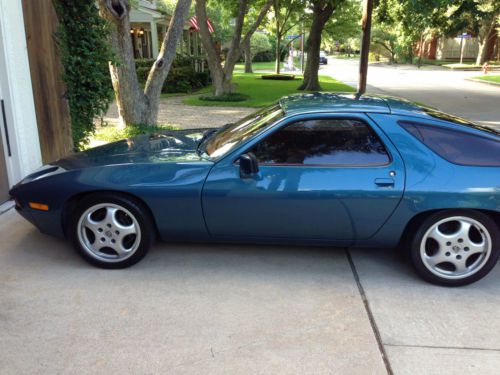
(341, 142)
(456, 146)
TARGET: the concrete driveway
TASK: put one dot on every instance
(222, 309)
(449, 91)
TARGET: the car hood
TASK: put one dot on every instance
(171, 146)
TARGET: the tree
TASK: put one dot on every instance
(412, 20)
(222, 74)
(344, 26)
(385, 42)
(322, 10)
(259, 42)
(480, 17)
(286, 15)
(135, 105)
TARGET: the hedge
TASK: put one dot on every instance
(182, 78)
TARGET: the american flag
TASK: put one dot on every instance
(193, 21)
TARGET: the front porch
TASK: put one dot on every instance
(148, 28)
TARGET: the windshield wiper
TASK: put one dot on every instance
(205, 136)
(209, 133)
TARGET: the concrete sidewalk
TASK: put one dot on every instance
(213, 309)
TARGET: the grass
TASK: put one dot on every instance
(495, 79)
(257, 66)
(345, 56)
(229, 97)
(111, 133)
(471, 66)
(262, 92)
(204, 90)
(265, 66)
(434, 62)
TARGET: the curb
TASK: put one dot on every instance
(482, 81)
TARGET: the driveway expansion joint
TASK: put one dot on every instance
(368, 310)
(442, 347)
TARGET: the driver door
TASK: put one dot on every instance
(321, 177)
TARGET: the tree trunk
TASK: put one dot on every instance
(420, 51)
(136, 106)
(222, 75)
(160, 69)
(130, 99)
(321, 14)
(489, 36)
(247, 49)
(277, 66)
(490, 44)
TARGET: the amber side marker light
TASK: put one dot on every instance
(38, 206)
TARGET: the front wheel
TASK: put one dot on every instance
(111, 231)
(455, 247)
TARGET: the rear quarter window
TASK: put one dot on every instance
(456, 146)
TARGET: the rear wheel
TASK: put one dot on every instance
(455, 247)
(111, 231)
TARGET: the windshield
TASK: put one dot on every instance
(228, 137)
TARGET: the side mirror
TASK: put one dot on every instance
(249, 165)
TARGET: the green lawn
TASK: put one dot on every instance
(257, 66)
(265, 92)
(470, 66)
(495, 79)
(263, 66)
(435, 62)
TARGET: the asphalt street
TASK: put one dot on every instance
(449, 91)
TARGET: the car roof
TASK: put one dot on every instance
(327, 102)
(332, 102)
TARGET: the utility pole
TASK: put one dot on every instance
(366, 25)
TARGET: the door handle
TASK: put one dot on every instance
(384, 182)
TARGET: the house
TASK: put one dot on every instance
(148, 27)
(443, 48)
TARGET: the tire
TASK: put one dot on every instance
(455, 247)
(111, 230)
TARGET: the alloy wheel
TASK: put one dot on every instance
(109, 232)
(455, 247)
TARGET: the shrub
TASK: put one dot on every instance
(142, 73)
(279, 77)
(85, 53)
(185, 80)
(265, 56)
(144, 63)
(232, 97)
(182, 78)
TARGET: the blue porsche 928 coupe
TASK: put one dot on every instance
(326, 169)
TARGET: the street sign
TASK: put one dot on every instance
(292, 36)
(462, 37)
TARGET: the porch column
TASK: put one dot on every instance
(154, 39)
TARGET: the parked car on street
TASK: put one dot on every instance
(316, 169)
(322, 58)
